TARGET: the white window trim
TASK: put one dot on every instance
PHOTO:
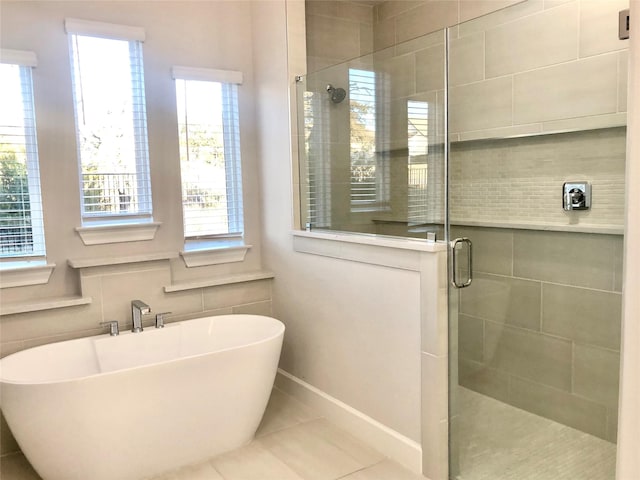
(115, 31)
(207, 74)
(26, 58)
(18, 57)
(101, 229)
(220, 249)
(24, 273)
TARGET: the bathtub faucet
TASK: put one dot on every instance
(138, 308)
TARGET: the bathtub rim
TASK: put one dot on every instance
(280, 333)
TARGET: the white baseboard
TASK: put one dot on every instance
(387, 441)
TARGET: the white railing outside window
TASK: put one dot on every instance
(21, 218)
(210, 164)
(111, 125)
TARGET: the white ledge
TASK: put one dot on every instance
(214, 255)
(214, 282)
(24, 273)
(375, 240)
(49, 304)
(549, 227)
(117, 233)
(104, 261)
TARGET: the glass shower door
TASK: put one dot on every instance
(537, 115)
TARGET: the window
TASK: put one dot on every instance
(209, 140)
(418, 141)
(111, 125)
(369, 178)
(21, 223)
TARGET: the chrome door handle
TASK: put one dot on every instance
(454, 263)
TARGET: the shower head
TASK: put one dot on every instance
(337, 94)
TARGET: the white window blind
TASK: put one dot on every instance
(418, 140)
(367, 177)
(209, 139)
(111, 125)
(21, 219)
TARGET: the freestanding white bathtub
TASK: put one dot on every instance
(139, 404)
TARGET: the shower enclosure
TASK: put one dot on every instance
(506, 132)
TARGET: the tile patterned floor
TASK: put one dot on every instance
(501, 442)
(292, 443)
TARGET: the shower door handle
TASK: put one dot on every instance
(454, 262)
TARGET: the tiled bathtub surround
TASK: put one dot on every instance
(539, 328)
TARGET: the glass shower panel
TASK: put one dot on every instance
(537, 100)
(372, 142)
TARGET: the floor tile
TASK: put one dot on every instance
(283, 411)
(16, 467)
(385, 470)
(251, 463)
(313, 456)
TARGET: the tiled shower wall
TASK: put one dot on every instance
(513, 181)
(539, 327)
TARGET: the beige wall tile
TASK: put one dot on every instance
(384, 34)
(393, 8)
(595, 374)
(147, 286)
(507, 300)
(539, 40)
(623, 69)
(582, 315)
(540, 358)
(481, 105)
(471, 337)
(240, 294)
(332, 37)
(599, 26)
(579, 259)
(400, 76)
(258, 308)
(559, 406)
(17, 467)
(618, 262)
(488, 381)
(355, 11)
(560, 91)
(430, 69)
(477, 17)
(475, 8)
(612, 424)
(492, 248)
(321, 7)
(467, 59)
(429, 17)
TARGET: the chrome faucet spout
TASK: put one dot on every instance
(138, 308)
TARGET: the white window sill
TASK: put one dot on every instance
(215, 252)
(117, 233)
(23, 273)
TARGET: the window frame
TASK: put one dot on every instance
(135, 36)
(234, 239)
(26, 61)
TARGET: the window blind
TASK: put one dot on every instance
(365, 176)
(111, 125)
(210, 163)
(418, 140)
(21, 217)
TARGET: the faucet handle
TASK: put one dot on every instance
(160, 319)
(113, 327)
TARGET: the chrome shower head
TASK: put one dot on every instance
(337, 94)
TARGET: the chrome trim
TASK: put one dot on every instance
(114, 330)
(454, 261)
(160, 319)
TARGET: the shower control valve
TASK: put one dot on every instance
(576, 196)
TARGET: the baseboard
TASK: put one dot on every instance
(387, 441)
